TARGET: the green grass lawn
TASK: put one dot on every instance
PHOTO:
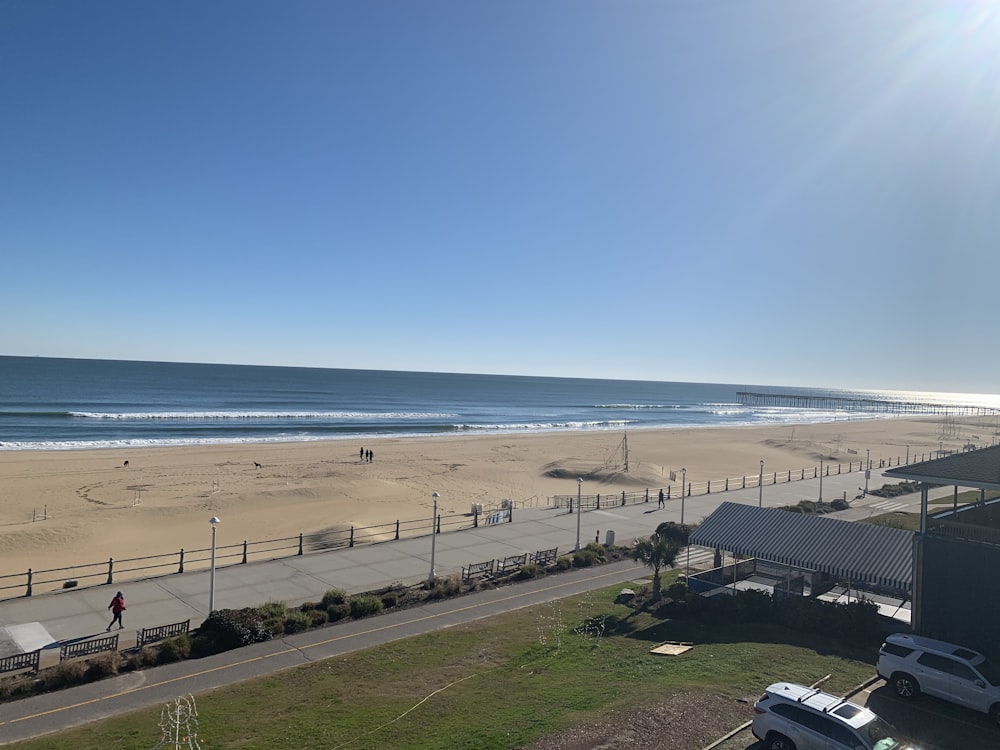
(495, 684)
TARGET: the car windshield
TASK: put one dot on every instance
(989, 671)
(879, 734)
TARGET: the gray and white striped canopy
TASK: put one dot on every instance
(856, 552)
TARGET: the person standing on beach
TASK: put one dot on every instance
(361, 455)
(117, 606)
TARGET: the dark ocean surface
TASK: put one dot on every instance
(50, 403)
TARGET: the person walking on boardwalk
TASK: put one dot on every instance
(117, 606)
(660, 503)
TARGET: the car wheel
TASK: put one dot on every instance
(779, 742)
(905, 686)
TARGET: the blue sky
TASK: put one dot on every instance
(737, 191)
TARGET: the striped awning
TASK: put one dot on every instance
(857, 552)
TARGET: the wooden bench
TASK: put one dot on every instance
(160, 632)
(88, 647)
(478, 570)
(512, 564)
(28, 661)
(545, 556)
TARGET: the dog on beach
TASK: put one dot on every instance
(256, 465)
(125, 465)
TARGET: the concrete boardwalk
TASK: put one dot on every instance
(53, 618)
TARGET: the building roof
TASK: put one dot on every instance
(979, 468)
(858, 552)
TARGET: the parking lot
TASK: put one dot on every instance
(929, 723)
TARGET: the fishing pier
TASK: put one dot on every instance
(851, 403)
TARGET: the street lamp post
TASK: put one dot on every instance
(821, 480)
(760, 486)
(579, 510)
(684, 474)
(211, 571)
(434, 517)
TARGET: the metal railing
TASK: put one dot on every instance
(107, 572)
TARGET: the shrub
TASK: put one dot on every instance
(274, 614)
(105, 665)
(174, 649)
(338, 611)
(333, 596)
(317, 617)
(599, 551)
(296, 622)
(390, 599)
(531, 570)
(677, 591)
(840, 504)
(227, 629)
(308, 606)
(564, 563)
(583, 558)
(365, 605)
(62, 675)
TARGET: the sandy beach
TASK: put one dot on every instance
(65, 508)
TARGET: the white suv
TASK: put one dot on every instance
(913, 664)
(795, 717)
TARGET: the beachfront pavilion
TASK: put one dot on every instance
(956, 592)
(809, 555)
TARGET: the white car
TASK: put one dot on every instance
(913, 664)
(794, 717)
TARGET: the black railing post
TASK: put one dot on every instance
(244, 560)
(351, 544)
(180, 566)
(668, 492)
(475, 516)
(510, 513)
(437, 530)
(28, 592)
(709, 486)
(111, 565)
(598, 502)
(623, 498)
(300, 542)
(647, 494)
(397, 531)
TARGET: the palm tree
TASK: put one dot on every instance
(660, 550)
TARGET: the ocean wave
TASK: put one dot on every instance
(255, 415)
(547, 426)
(637, 406)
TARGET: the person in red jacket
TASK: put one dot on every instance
(117, 606)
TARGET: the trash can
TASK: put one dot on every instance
(609, 538)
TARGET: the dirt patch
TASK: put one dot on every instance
(686, 721)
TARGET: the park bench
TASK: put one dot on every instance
(160, 632)
(512, 564)
(27, 661)
(545, 556)
(88, 647)
(478, 570)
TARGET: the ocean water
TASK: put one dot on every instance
(50, 404)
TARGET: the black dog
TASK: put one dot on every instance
(125, 465)
(256, 465)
